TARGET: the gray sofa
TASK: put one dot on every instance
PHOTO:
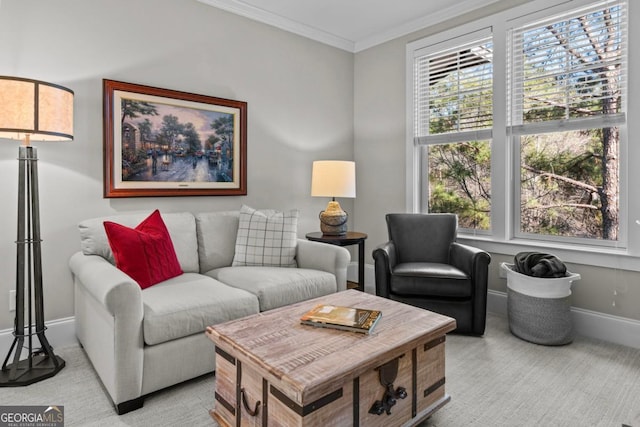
(140, 341)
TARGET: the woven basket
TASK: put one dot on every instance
(544, 321)
(539, 310)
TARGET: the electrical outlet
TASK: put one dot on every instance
(12, 300)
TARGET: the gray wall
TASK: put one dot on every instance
(380, 120)
(306, 101)
(299, 95)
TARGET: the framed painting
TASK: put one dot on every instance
(161, 142)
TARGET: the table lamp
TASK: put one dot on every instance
(39, 111)
(333, 178)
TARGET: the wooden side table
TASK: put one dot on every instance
(351, 238)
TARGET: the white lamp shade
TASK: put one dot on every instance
(43, 111)
(333, 178)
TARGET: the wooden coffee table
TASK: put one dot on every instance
(271, 370)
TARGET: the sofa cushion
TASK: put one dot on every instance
(187, 304)
(145, 253)
(266, 238)
(216, 238)
(276, 286)
(181, 226)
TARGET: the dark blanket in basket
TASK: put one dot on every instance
(538, 264)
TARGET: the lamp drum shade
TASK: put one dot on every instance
(333, 178)
(44, 111)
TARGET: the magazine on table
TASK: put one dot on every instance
(346, 318)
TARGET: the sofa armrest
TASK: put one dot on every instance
(109, 314)
(323, 256)
(114, 289)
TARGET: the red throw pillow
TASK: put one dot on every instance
(146, 252)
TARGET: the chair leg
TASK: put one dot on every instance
(129, 405)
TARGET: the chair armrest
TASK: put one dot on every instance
(325, 257)
(109, 314)
(385, 259)
(473, 261)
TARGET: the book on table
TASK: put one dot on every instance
(346, 318)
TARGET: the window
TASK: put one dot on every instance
(454, 119)
(523, 141)
(567, 83)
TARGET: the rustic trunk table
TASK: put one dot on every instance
(273, 371)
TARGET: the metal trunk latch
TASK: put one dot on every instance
(388, 373)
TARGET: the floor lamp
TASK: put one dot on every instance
(39, 111)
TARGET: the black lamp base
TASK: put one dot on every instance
(42, 367)
(43, 363)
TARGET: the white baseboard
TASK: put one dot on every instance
(592, 324)
(59, 333)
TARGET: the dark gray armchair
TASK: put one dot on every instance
(423, 265)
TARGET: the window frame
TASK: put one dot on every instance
(503, 239)
(424, 141)
(517, 129)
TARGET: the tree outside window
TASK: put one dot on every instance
(565, 117)
(568, 74)
(454, 122)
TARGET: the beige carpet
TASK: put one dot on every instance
(497, 380)
(500, 380)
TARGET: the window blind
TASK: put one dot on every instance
(568, 72)
(453, 93)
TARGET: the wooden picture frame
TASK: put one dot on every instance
(161, 142)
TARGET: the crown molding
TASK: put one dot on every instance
(422, 23)
(238, 7)
(281, 22)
